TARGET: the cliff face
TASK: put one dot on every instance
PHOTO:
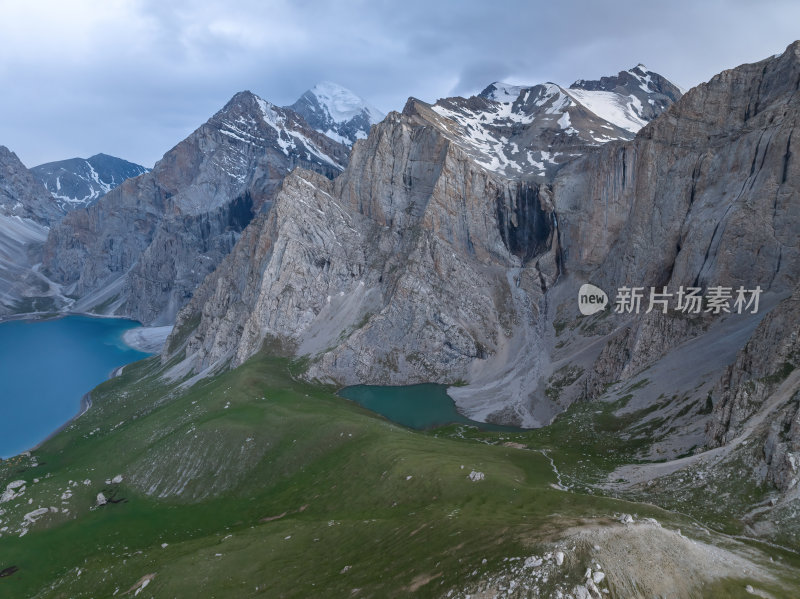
(399, 270)
(143, 248)
(705, 195)
(763, 382)
(418, 263)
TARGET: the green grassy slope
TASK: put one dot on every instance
(254, 484)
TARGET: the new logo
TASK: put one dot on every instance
(591, 299)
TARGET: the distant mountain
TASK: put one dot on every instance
(337, 112)
(532, 131)
(79, 182)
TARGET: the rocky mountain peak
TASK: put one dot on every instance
(337, 112)
(381, 275)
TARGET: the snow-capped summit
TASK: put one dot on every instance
(501, 92)
(337, 112)
(532, 131)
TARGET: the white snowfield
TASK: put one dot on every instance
(505, 92)
(623, 111)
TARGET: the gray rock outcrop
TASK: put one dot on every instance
(22, 195)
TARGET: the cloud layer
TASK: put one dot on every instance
(134, 77)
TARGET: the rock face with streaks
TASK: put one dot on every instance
(760, 381)
(143, 248)
(706, 195)
(21, 195)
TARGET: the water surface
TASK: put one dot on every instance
(415, 406)
(46, 366)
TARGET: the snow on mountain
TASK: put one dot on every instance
(337, 112)
(630, 99)
(502, 92)
(292, 138)
(79, 182)
(534, 130)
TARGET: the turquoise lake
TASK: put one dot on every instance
(46, 367)
(414, 406)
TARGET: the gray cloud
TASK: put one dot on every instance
(134, 77)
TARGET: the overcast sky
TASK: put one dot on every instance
(134, 77)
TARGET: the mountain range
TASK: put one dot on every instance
(246, 150)
(305, 248)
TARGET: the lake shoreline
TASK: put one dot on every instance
(39, 319)
(86, 403)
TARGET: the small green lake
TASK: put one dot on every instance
(419, 407)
